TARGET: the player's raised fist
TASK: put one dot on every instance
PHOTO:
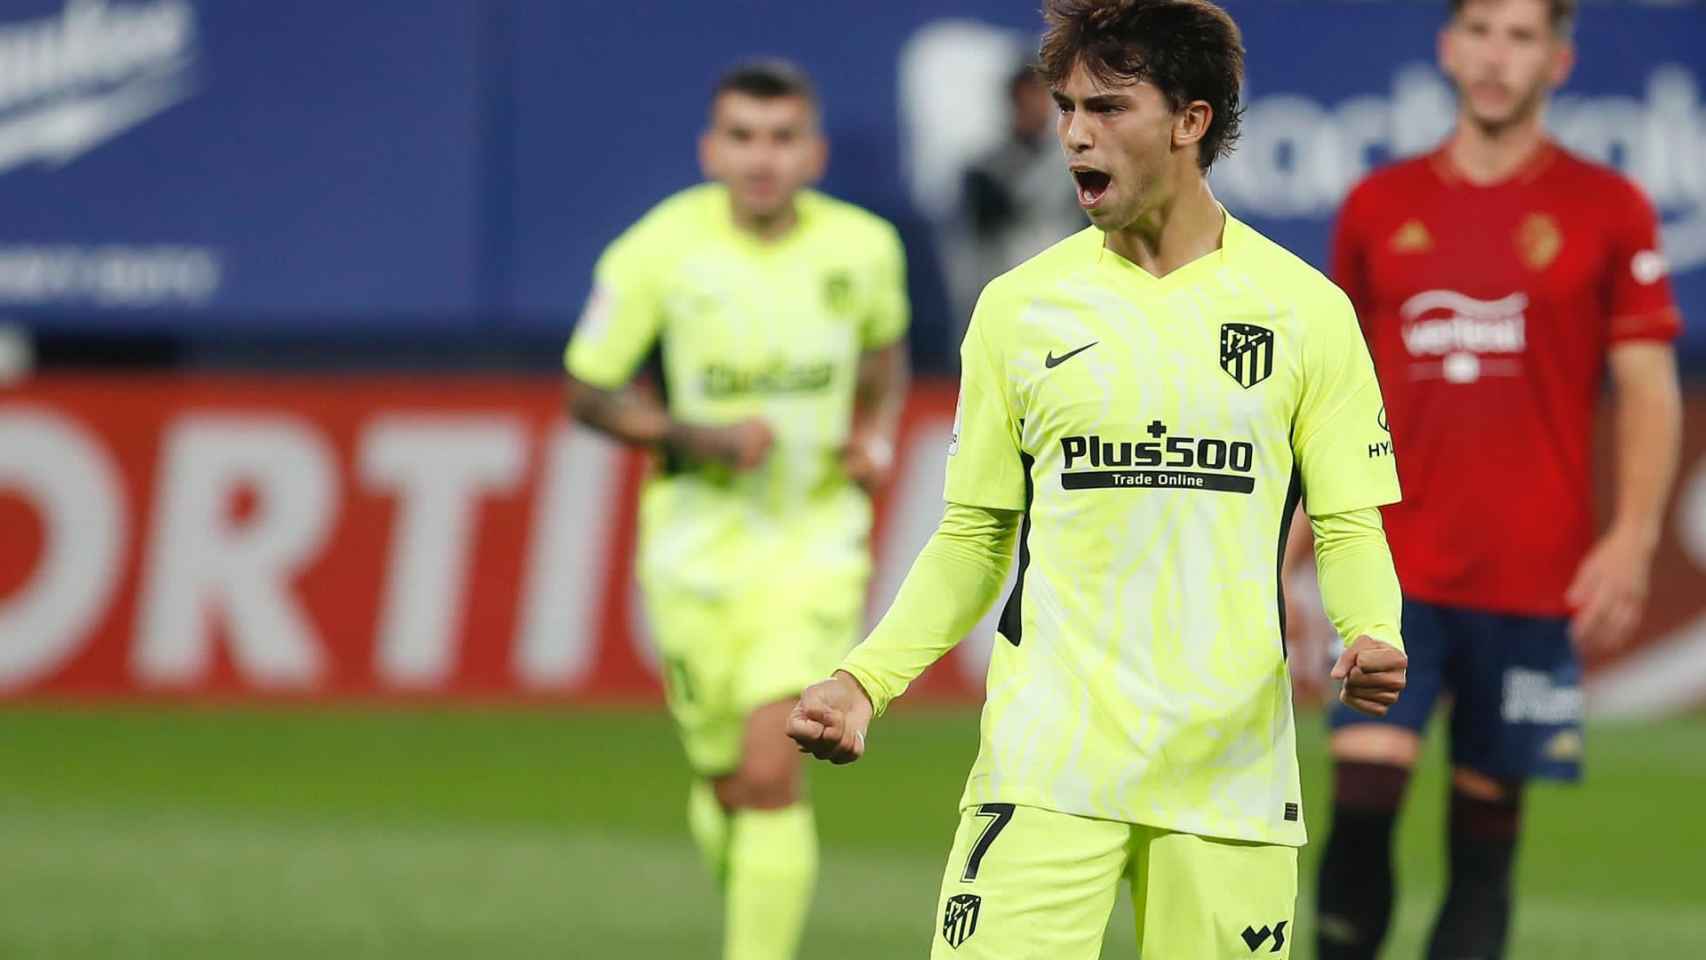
(1374, 673)
(830, 720)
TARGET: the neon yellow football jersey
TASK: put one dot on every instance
(742, 328)
(1157, 433)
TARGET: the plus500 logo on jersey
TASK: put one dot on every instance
(1176, 462)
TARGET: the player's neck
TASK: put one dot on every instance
(1186, 227)
(1485, 155)
(769, 228)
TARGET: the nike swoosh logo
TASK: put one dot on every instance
(1051, 361)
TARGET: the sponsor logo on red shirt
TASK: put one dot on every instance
(1450, 336)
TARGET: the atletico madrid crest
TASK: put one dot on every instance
(959, 921)
(1247, 352)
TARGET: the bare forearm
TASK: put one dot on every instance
(1610, 586)
(884, 375)
(630, 414)
(1648, 435)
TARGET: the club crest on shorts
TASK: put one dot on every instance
(959, 921)
(1247, 352)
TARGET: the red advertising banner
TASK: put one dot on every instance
(402, 538)
(222, 537)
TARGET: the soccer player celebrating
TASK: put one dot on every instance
(776, 317)
(1497, 278)
(1141, 405)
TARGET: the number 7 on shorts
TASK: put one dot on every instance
(999, 815)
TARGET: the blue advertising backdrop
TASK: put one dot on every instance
(457, 165)
(246, 163)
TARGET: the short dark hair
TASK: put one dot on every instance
(1020, 78)
(1562, 13)
(1189, 49)
(767, 80)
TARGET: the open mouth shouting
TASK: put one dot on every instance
(1092, 186)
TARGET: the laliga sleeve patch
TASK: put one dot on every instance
(959, 412)
(1648, 267)
(595, 316)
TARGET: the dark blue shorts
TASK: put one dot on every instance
(1514, 684)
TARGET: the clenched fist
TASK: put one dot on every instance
(830, 720)
(1374, 674)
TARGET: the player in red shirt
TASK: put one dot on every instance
(1498, 279)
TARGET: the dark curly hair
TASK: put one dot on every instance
(1189, 49)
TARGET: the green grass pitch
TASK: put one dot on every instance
(195, 833)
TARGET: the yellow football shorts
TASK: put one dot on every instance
(1025, 883)
(726, 655)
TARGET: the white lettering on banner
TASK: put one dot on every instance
(72, 82)
(1299, 157)
(211, 573)
(440, 467)
(557, 636)
(203, 562)
(109, 275)
(70, 480)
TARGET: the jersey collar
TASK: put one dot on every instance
(804, 212)
(1231, 235)
(1451, 175)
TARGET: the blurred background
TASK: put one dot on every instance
(317, 629)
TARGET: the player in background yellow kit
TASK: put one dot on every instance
(1141, 406)
(775, 319)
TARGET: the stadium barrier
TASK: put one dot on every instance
(236, 538)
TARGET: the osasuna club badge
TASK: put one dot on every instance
(959, 921)
(1247, 352)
